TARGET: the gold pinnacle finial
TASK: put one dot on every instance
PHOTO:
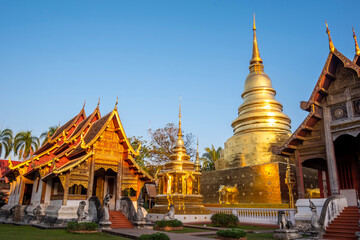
(254, 26)
(117, 101)
(256, 61)
(331, 45)
(197, 145)
(98, 103)
(84, 104)
(180, 134)
(357, 49)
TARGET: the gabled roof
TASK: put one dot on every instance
(313, 104)
(58, 133)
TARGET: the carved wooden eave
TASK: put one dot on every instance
(69, 166)
(357, 60)
(327, 76)
(299, 136)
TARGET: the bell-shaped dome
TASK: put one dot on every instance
(259, 111)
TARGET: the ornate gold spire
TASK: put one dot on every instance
(256, 61)
(331, 45)
(357, 49)
(197, 160)
(180, 141)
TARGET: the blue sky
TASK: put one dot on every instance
(56, 54)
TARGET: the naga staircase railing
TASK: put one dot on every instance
(332, 208)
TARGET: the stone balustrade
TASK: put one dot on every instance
(256, 215)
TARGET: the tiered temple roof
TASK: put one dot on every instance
(72, 143)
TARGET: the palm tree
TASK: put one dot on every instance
(6, 141)
(45, 135)
(25, 144)
(210, 157)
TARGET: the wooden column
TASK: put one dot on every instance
(22, 189)
(330, 153)
(119, 181)
(66, 188)
(299, 175)
(43, 190)
(91, 178)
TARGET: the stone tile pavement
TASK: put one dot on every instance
(133, 233)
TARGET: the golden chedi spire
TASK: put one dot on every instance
(260, 122)
(197, 159)
(179, 160)
(331, 45)
(259, 111)
(357, 49)
(256, 61)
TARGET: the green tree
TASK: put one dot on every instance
(6, 142)
(210, 157)
(144, 151)
(47, 134)
(164, 139)
(143, 160)
(25, 144)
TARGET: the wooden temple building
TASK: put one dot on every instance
(328, 139)
(87, 156)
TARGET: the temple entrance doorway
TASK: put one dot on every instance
(27, 194)
(105, 181)
(315, 178)
(347, 153)
(109, 186)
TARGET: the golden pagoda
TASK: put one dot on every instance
(260, 123)
(179, 185)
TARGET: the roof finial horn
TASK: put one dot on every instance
(117, 101)
(98, 102)
(331, 45)
(357, 49)
(84, 104)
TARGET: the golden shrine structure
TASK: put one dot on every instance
(247, 159)
(89, 156)
(179, 185)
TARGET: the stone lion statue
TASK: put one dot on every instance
(171, 214)
(81, 213)
(283, 222)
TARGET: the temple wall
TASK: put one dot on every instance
(258, 184)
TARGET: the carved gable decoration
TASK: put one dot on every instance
(339, 112)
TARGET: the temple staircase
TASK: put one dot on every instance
(345, 225)
(119, 220)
